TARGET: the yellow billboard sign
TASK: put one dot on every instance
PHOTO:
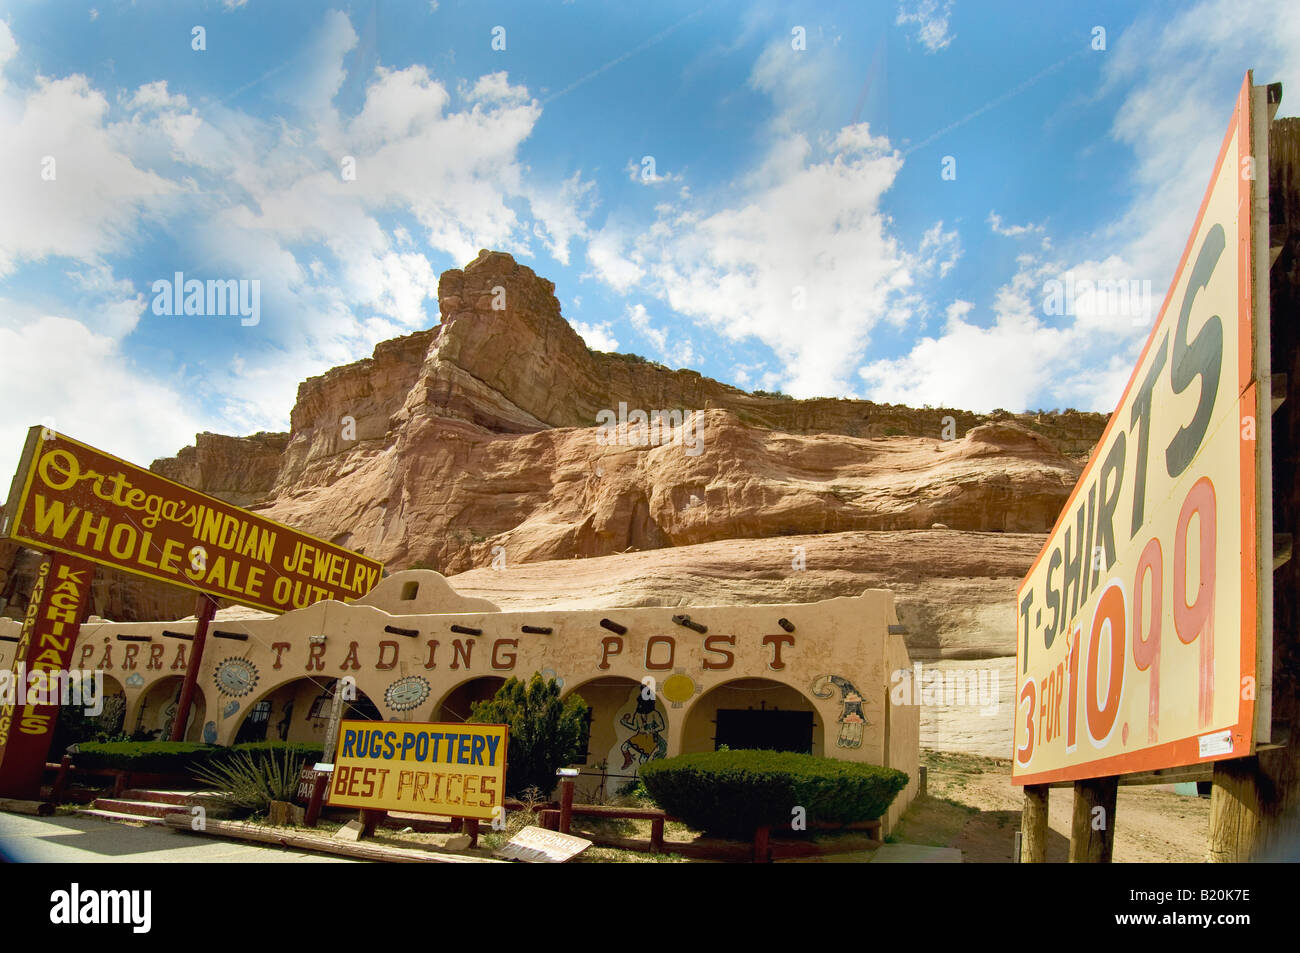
(1137, 625)
(453, 769)
(67, 497)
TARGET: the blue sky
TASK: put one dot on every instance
(755, 190)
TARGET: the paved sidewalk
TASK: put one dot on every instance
(86, 840)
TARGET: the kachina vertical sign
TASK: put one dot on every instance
(40, 679)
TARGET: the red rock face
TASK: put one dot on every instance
(478, 438)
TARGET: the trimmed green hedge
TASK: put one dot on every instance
(175, 757)
(732, 793)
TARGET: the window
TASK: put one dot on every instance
(410, 590)
(766, 728)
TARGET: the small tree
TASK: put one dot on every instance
(545, 733)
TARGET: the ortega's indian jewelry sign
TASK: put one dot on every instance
(71, 498)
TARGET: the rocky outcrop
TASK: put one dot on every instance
(476, 440)
(504, 361)
(449, 496)
(239, 470)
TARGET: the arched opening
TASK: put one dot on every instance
(299, 711)
(410, 590)
(157, 711)
(627, 726)
(753, 713)
(78, 723)
(457, 703)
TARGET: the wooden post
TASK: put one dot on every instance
(323, 781)
(204, 609)
(762, 850)
(1092, 832)
(1254, 801)
(1253, 812)
(369, 821)
(1033, 825)
(566, 804)
(317, 800)
(657, 835)
(471, 828)
(61, 779)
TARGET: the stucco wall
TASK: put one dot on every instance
(833, 658)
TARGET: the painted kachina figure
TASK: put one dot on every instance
(647, 725)
(283, 725)
(852, 721)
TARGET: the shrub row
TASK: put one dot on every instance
(176, 757)
(732, 793)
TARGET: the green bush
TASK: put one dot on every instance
(732, 793)
(247, 781)
(307, 750)
(178, 757)
(161, 757)
(545, 733)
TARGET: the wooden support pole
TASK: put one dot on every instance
(1255, 808)
(1092, 831)
(1255, 802)
(657, 835)
(566, 804)
(204, 609)
(1033, 825)
(317, 799)
(762, 848)
(471, 828)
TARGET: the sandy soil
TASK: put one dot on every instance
(973, 806)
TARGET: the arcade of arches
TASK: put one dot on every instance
(657, 682)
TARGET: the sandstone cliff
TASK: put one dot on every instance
(476, 440)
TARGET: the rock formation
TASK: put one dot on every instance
(477, 440)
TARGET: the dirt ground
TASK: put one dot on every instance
(973, 806)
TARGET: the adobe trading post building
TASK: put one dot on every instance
(803, 677)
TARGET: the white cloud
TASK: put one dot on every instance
(275, 206)
(8, 49)
(678, 351)
(1011, 231)
(79, 383)
(606, 253)
(1178, 79)
(66, 186)
(940, 249)
(802, 260)
(930, 18)
(599, 337)
(155, 96)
